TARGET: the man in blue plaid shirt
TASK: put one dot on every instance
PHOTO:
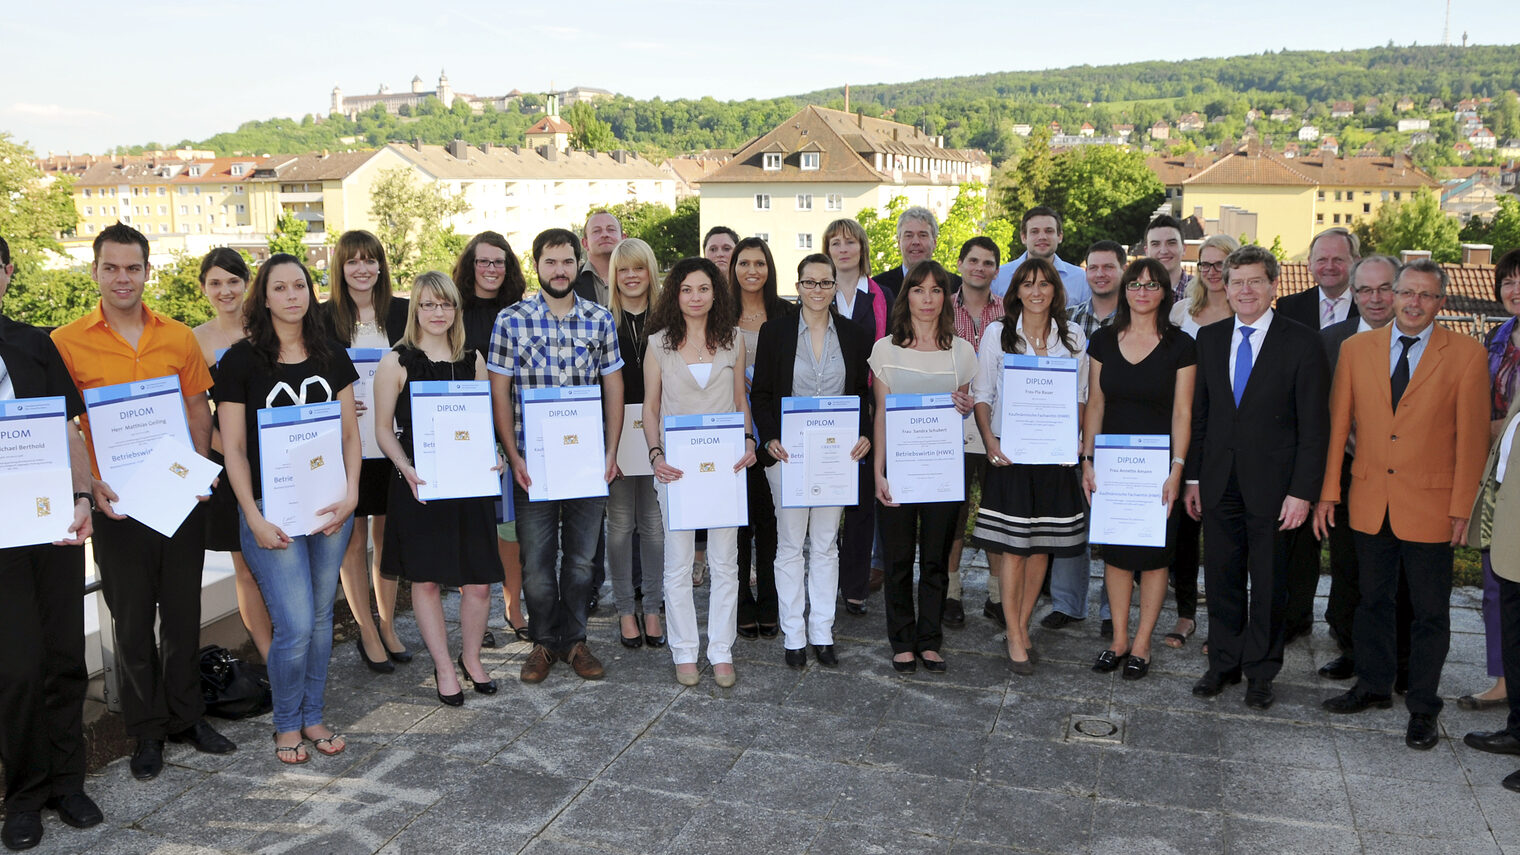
(554, 339)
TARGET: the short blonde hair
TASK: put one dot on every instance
(1197, 294)
(443, 289)
(634, 253)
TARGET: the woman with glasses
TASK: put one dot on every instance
(1206, 303)
(1142, 371)
(815, 355)
(490, 278)
(442, 542)
(1028, 512)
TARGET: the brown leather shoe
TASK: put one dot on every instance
(587, 666)
(536, 667)
(877, 578)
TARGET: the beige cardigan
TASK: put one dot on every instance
(1504, 550)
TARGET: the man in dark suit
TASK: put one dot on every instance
(1331, 256)
(917, 235)
(1256, 460)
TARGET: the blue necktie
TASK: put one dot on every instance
(1242, 363)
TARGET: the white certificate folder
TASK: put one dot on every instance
(709, 493)
(36, 487)
(127, 421)
(924, 437)
(566, 451)
(1039, 408)
(366, 361)
(830, 427)
(1131, 470)
(453, 440)
(301, 464)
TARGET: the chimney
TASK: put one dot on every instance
(1410, 255)
(860, 118)
(894, 135)
(417, 143)
(517, 149)
(847, 97)
(485, 147)
(1481, 254)
(620, 155)
(459, 149)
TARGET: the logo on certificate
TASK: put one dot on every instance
(317, 462)
(179, 470)
(707, 467)
(829, 440)
(461, 436)
(571, 439)
(638, 424)
(44, 507)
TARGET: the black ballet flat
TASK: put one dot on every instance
(770, 630)
(382, 666)
(907, 667)
(485, 687)
(454, 700)
(933, 666)
(1109, 661)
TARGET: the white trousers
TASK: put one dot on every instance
(810, 589)
(681, 628)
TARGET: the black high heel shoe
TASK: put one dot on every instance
(485, 687)
(454, 700)
(383, 666)
(653, 641)
(399, 657)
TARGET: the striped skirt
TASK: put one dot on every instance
(1032, 510)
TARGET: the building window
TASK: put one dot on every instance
(835, 202)
(163, 191)
(238, 169)
(1320, 195)
(242, 209)
(87, 192)
(1337, 195)
(1319, 219)
(238, 189)
(224, 209)
(765, 236)
(1396, 195)
(163, 228)
(1366, 207)
(771, 161)
(163, 210)
(89, 211)
(184, 210)
(1385, 195)
(810, 160)
(89, 228)
(197, 209)
(1337, 219)
(804, 240)
(762, 201)
(804, 201)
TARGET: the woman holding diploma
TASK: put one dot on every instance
(691, 368)
(752, 271)
(1029, 512)
(1142, 369)
(446, 541)
(363, 313)
(814, 356)
(286, 360)
(631, 501)
(224, 281)
(921, 355)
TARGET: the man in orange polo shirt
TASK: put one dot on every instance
(145, 575)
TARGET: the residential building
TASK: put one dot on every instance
(1282, 114)
(1409, 125)
(688, 170)
(161, 196)
(1190, 122)
(1483, 138)
(1405, 104)
(820, 165)
(1174, 171)
(1308, 133)
(1328, 145)
(1087, 129)
(1124, 131)
(1371, 106)
(1021, 129)
(1342, 110)
(1161, 131)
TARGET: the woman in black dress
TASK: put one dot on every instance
(445, 541)
(1142, 371)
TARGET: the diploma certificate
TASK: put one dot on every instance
(818, 434)
(36, 486)
(453, 441)
(566, 451)
(1039, 409)
(127, 421)
(164, 487)
(633, 449)
(925, 437)
(709, 493)
(1126, 507)
(366, 361)
(301, 464)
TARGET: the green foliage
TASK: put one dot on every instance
(33, 212)
(1031, 176)
(1102, 192)
(968, 218)
(589, 132)
(672, 235)
(289, 235)
(1417, 223)
(1507, 117)
(1502, 230)
(1277, 249)
(881, 233)
(51, 297)
(175, 290)
(409, 220)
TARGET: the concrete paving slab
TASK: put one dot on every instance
(1041, 765)
(1126, 829)
(844, 838)
(1302, 795)
(1027, 819)
(1249, 836)
(927, 749)
(722, 829)
(629, 820)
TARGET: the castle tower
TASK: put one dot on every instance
(416, 84)
(445, 91)
(337, 101)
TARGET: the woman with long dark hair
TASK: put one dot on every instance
(288, 359)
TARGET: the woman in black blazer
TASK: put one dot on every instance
(816, 354)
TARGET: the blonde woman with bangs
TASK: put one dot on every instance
(444, 542)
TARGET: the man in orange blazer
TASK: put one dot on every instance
(1418, 395)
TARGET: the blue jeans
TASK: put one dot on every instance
(298, 584)
(558, 539)
(1070, 583)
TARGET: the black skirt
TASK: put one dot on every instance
(1032, 510)
(222, 514)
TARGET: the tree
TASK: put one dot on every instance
(881, 233)
(589, 132)
(175, 291)
(51, 298)
(1502, 230)
(1031, 176)
(1417, 223)
(1102, 192)
(289, 235)
(968, 218)
(34, 211)
(1507, 117)
(409, 220)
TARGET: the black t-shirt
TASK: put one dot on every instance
(243, 378)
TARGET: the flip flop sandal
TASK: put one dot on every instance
(296, 752)
(325, 746)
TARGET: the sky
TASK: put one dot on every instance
(93, 76)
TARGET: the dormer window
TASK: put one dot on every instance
(809, 160)
(771, 161)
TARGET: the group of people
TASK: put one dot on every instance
(1344, 413)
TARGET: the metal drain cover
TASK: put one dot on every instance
(1093, 728)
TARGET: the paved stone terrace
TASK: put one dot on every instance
(853, 760)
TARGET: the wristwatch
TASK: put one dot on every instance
(88, 497)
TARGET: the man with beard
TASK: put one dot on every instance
(554, 339)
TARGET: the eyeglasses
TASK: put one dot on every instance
(1409, 294)
(1215, 266)
(1381, 291)
(1148, 286)
(491, 263)
(815, 284)
(431, 306)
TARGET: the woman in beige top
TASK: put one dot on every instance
(692, 366)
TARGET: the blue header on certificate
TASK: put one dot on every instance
(366, 354)
(132, 391)
(431, 388)
(919, 402)
(32, 408)
(545, 394)
(708, 420)
(1026, 362)
(1121, 440)
(300, 414)
(834, 403)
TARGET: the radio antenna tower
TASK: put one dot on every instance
(1446, 28)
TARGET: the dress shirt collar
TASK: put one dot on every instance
(1260, 326)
